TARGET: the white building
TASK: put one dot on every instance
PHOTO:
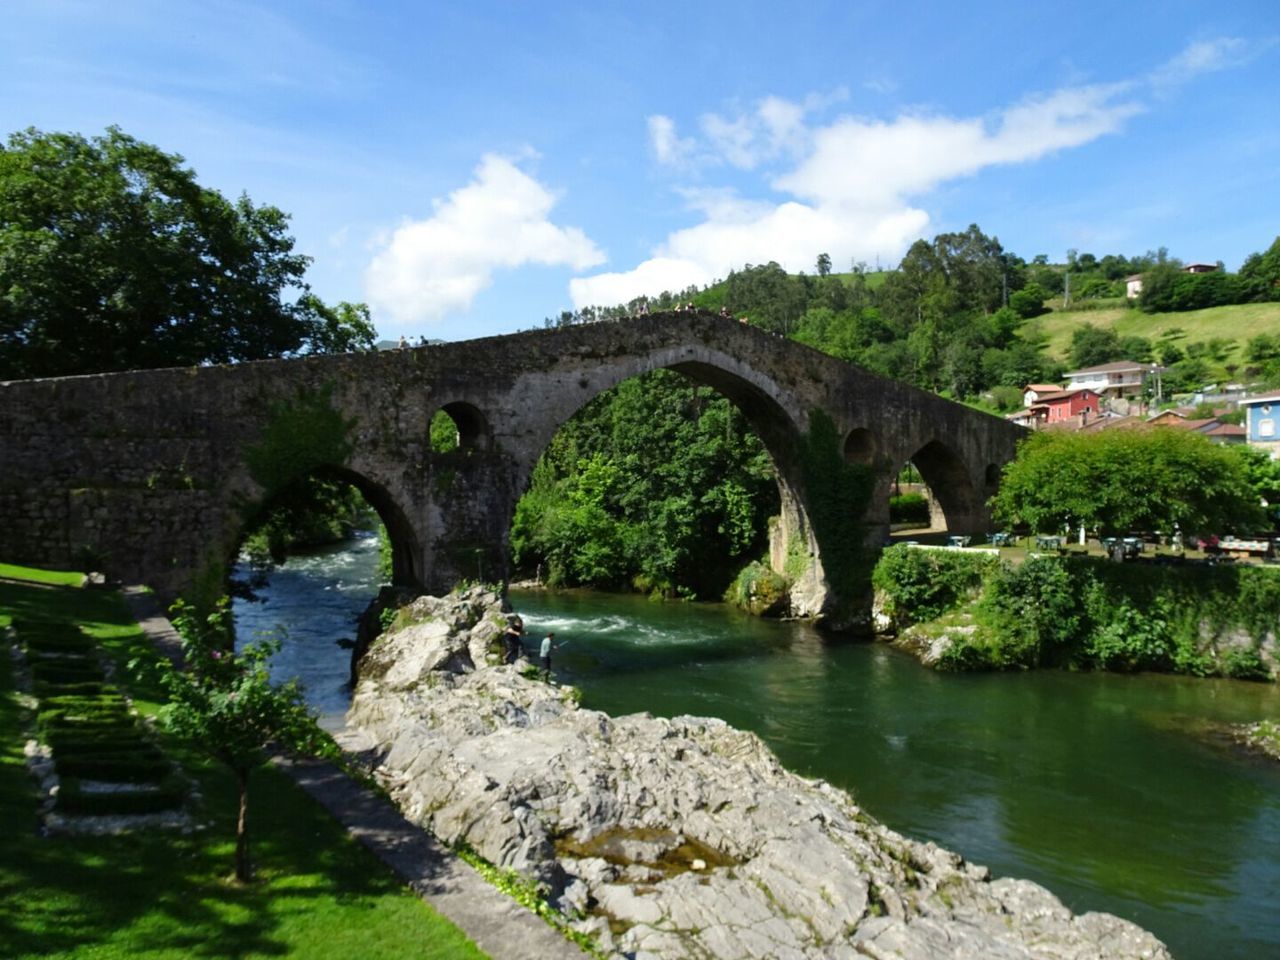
(1122, 378)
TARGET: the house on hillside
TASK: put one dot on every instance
(1067, 406)
(1225, 433)
(1133, 284)
(1212, 427)
(1034, 391)
(1122, 378)
(1260, 423)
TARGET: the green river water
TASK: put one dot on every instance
(1096, 786)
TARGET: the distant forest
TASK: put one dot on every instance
(958, 316)
(660, 485)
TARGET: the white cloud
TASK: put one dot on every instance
(652, 276)
(871, 163)
(429, 268)
(847, 188)
(734, 140)
(1203, 56)
(669, 149)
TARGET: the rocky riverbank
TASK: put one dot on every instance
(680, 838)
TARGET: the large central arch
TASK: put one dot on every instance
(761, 402)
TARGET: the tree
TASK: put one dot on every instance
(1029, 301)
(1263, 475)
(824, 264)
(1260, 274)
(1092, 345)
(113, 257)
(1122, 481)
(224, 703)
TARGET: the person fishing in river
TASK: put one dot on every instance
(544, 652)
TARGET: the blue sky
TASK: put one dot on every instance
(469, 169)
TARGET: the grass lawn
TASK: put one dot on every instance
(157, 894)
(10, 572)
(1236, 323)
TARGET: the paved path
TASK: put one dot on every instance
(497, 924)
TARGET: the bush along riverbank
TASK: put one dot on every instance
(673, 838)
(958, 610)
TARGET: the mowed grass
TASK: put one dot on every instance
(162, 894)
(1235, 323)
(9, 571)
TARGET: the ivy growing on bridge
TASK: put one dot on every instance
(301, 435)
(837, 494)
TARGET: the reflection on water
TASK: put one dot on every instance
(1087, 783)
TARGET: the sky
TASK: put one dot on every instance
(472, 169)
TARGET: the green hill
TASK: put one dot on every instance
(1234, 323)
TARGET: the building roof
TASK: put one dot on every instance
(1227, 430)
(1114, 423)
(1116, 366)
(1206, 266)
(1265, 398)
(1061, 395)
(1132, 277)
(1042, 387)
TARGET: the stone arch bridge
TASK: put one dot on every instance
(152, 476)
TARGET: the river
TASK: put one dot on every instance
(1091, 784)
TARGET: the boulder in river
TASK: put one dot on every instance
(676, 838)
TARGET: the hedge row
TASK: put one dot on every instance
(90, 730)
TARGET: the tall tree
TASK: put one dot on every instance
(1121, 481)
(113, 257)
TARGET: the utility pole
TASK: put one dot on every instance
(1066, 288)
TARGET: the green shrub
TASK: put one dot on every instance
(758, 589)
(1244, 664)
(920, 584)
(1130, 640)
(144, 764)
(1034, 612)
(909, 508)
(963, 655)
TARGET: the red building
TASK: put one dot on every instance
(1078, 405)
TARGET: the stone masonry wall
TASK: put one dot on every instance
(147, 475)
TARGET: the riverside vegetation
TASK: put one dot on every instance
(971, 611)
(150, 893)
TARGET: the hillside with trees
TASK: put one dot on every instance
(659, 484)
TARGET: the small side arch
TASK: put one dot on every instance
(860, 447)
(958, 506)
(472, 428)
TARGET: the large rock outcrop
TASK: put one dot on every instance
(680, 838)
